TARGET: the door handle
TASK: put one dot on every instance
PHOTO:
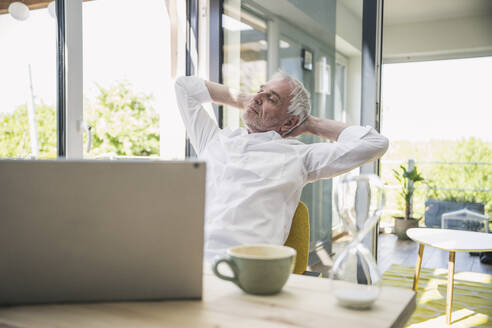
(86, 126)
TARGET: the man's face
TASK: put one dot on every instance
(267, 110)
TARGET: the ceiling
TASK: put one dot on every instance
(395, 11)
(405, 11)
(32, 4)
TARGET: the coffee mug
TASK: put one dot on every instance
(258, 269)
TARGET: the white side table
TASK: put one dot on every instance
(451, 241)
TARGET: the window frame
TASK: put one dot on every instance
(192, 34)
(69, 64)
(69, 79)
(60, 79)
(216, 52)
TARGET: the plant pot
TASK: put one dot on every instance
(402, 225)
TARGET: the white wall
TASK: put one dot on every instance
(349, 31)
(445, 39)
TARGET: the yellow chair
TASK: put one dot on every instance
(298, 237)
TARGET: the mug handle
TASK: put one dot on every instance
(231, 265)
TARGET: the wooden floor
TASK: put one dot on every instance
(392, 250)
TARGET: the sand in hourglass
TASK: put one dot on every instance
(357, 296)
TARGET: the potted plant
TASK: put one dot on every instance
(407, 179)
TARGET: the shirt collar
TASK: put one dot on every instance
(269, 135)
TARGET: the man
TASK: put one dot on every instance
(255, 175)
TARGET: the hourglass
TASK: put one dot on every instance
(359, 201)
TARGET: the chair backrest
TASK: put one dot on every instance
(298, 237)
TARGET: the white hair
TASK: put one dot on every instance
(300, 103)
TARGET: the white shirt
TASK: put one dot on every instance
(254, 180)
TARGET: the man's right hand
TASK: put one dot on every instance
(321, 127)
(223, 95)
(245, 99)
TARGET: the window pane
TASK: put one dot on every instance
(340, 80)
(245, 54)
(290, 57)
(128, 88)
(28, 86)
(347, 78)
(309, 58)
(340, 115)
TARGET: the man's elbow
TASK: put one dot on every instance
(190, 85)
(180, 82)
(382, 145)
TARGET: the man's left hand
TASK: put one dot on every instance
(301, 129)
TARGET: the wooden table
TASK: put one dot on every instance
(452, 241)
(304, 302)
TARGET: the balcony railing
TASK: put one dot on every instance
(391, 209)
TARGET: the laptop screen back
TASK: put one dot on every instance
(100, 230)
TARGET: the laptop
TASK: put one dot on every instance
(84, 231)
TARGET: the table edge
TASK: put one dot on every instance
(449, 249)
(402, 319)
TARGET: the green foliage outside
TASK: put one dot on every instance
(452, 176)
(15, 140)
(471, 176)
(124, 123)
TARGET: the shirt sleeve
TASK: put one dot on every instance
(191, 92)
(356, 145)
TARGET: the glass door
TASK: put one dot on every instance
(245, 54)
(293, 46)
(325, 45)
